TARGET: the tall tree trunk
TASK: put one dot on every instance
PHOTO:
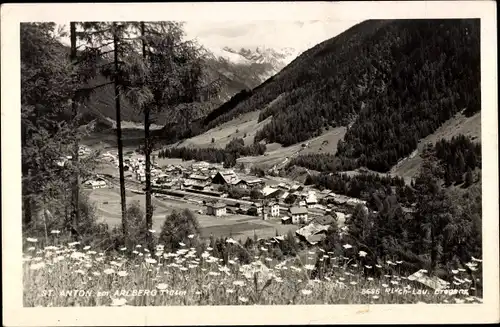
(433, 251)
(147, 154)
(76, 166)
(119, 135)
(27, 212)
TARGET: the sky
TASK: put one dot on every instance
(300, 35)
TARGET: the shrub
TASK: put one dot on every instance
(180, 226)
(136, 220)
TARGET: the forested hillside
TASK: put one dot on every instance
(393, 82)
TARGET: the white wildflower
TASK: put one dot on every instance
(109, 271)
(309, 267)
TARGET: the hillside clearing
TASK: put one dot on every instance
(246, 124)
(279, 155)
(460, 124)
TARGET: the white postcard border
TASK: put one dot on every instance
(15, 315)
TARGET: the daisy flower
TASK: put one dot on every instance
(309, 267)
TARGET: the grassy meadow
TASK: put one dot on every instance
(73, 274)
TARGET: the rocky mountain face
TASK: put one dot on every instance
(246, 68)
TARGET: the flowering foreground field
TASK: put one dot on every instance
(76, 275)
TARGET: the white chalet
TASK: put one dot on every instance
(275, 209)
(299, 215)
(95, 183)
(216, 209)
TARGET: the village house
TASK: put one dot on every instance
(284, 186)
(312, 233)
(287, 220)
(241, 184)
(200, 165)
(216, 209)
(311, 199)
(270, 192)
(197, 181)
(296, 187)
(299, 215)
(256, 182)
(140, 175)
(255, 209)
(284, 196)
(324, 220)
(96, 183)
(83, 150)
(228, 177)
(274, 209)
(325, 192)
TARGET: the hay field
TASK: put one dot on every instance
(239, 227)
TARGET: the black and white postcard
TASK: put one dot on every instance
(249, 163)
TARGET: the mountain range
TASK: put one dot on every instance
(235, 69)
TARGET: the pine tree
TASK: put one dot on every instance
(97, 37)
(433, 211)
(167, 72)
(51, 85)
(469, 179)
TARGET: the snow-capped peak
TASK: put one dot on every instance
(278, 58)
